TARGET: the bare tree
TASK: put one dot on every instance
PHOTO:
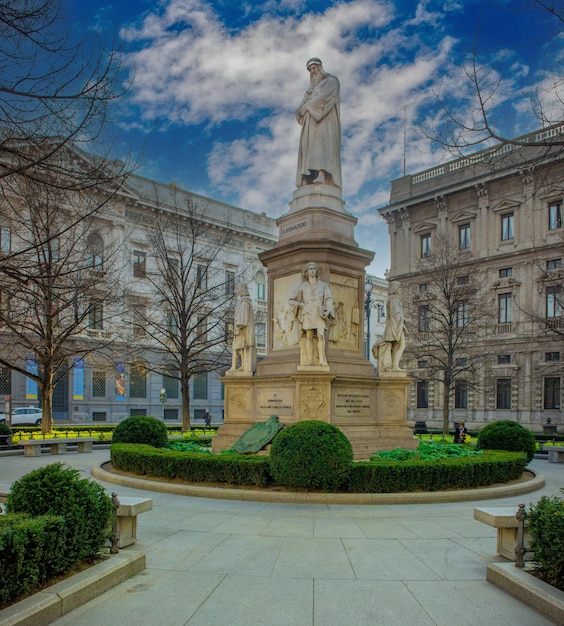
(191, 297)
(63, 287)
(477, 120)
(448, 318)
(55, 90)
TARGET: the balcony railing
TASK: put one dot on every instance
(504, 329)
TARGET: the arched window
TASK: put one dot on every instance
(95, 252)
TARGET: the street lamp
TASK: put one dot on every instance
(162, 398)
(367, 309)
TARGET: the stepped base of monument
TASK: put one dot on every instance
(371, 412)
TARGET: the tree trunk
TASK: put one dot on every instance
(47, 407)
(185, 391)
(446, 409)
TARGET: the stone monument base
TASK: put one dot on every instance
(371, 412)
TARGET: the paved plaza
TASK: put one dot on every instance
(212, 562)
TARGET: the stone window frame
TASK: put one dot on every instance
(552, 393)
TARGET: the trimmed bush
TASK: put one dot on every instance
(546, 525)
(58, 490)
(198, 467)
(141, 429)
(30, 549)
(311, 455)
(507, 435)
(5, 434)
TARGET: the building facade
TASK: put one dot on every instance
(121, 382)
(499, 213)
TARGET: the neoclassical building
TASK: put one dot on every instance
(499, 211)
(123, 383)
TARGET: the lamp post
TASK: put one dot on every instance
(367, 309)
(162, 398)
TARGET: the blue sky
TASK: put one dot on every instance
(216, 82)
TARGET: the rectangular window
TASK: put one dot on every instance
(503, 393)
(553, 264)
(202, 277)
(138, 382)
(507, 226)
(261, 295)
(424, 321)
(139, 264)
(503, 359)
(506, 272)
(461, 394)
(463, 315)
(381, 312)
(201, 387)
(5, 381)
(464, 237)
(96, 317)
(425, 246)
(461, 362)
(552, 393)
(171, 324)
(553, 302)
(53, 250)
(552, 357)
(423, 287)
(202, 329)
(555, 215)
(98, 384)
(170, 384)
(139, 320)
(170, 414)
(260, 330)
(229, 283)
(462, 280)
(423, 394)
(99, 416)
(5, 240)
(505, 315)
(422, 363)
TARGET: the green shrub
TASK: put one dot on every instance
(507, 435)
(311, 455)
(141, 429)
(58, 490)
(30, 549)
(5, 433)
(198, 467)
(546, 526)
(452, 473)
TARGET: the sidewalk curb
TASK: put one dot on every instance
(62, 598)
(300, 497)
(535, 593)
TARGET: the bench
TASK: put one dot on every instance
(127, 512)
(555, 453)
(32, 447)
(420, 428)
(512, 533)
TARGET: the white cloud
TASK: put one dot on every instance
(193, 69)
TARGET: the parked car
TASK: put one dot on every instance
(24, 416)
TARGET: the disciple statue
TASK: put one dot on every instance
(312, 306)
(319, 156)
(392, 347)
(244, 348)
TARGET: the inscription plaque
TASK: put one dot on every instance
(279, 402)
(352, 402)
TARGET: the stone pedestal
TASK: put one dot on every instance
(372, 412)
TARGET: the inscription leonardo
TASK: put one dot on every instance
(352, 403)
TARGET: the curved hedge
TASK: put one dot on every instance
(364, 477)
